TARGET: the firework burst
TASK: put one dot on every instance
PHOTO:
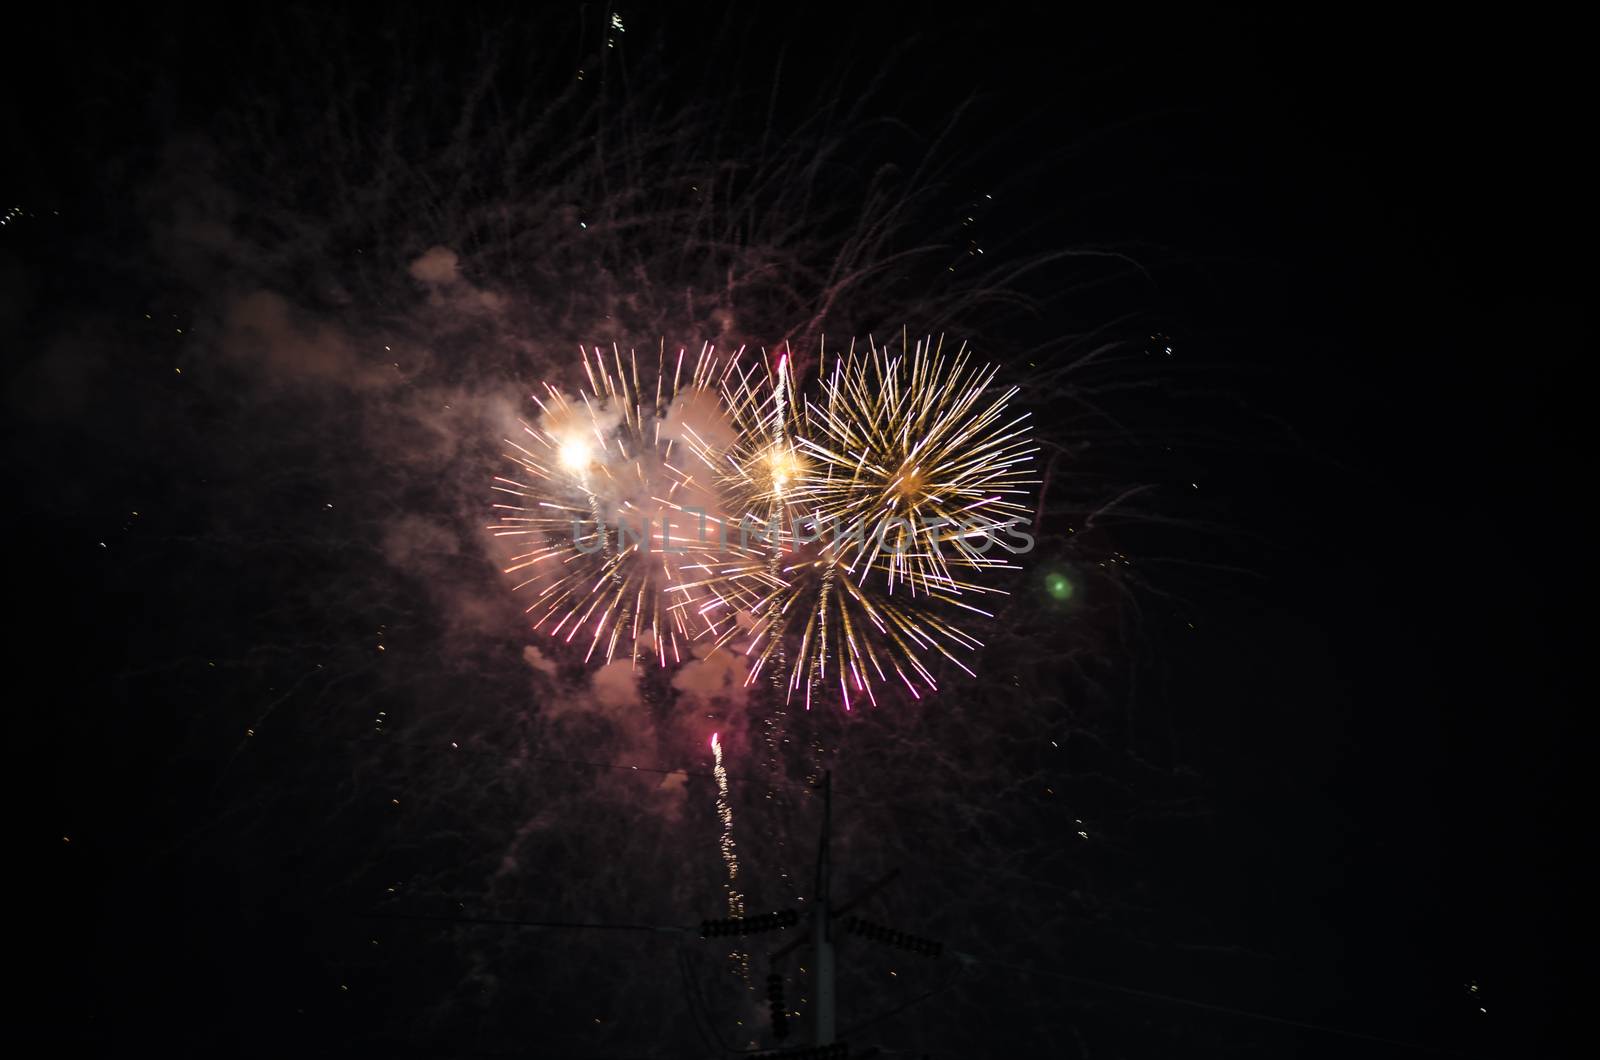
(917, 451)
(895, 489)
(841, 541)
(615, 494)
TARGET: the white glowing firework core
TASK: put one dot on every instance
(576, 454)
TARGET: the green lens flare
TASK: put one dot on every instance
(1058, 586)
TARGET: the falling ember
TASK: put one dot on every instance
(730, 854)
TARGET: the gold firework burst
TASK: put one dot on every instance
(894, 492)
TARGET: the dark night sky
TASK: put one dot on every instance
(1363, 237)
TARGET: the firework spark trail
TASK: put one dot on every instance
(730, 853)
(763, 477)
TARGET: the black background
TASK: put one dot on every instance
(1365, 236)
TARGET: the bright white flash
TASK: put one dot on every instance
(575, 454)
